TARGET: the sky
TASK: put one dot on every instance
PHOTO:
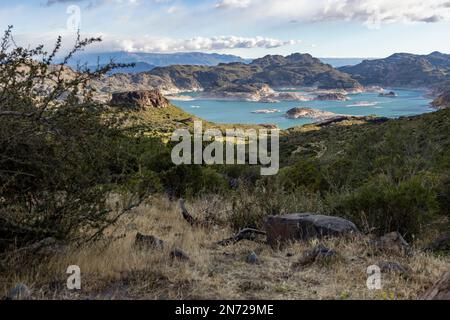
(248, 28)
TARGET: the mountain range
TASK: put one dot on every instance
(148, 61)
(403, 70)
(296, 70)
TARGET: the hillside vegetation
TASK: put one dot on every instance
(80, 179)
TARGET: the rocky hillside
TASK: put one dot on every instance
(442, 101)
(276, 71)
(403, 70)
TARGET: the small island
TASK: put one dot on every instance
(309, 113)
(334, 96)
(390, 94)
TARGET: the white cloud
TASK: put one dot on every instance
(150, 44)
(369, 12)
(225, 4)
(153, 44)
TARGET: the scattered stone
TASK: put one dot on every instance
(140, 100)
(253, 258)
(19, 292)
(389, 266)
(392, 242)
(245, 234)
(318, 253)
(440, 245)
(440, 290)
(148, 242)
(178, 254)
(304, 226)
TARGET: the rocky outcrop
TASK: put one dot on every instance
(390, 94)
(308, 113)
(304, 226)
(251, 93)
(440, 290)
(336, 96)
(139, 100)
(442, 101)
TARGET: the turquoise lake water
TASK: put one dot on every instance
(407, 103)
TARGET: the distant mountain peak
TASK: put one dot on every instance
(156, 59)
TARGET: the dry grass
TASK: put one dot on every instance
(113, 269)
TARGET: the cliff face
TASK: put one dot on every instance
(442, 101)
(403, 70)
(276, 71)
(140, 100)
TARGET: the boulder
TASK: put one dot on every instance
(139, 100)
(304, 226)
(440, 290)
(148, 242)
(252, 258)
(392, 242)
(389, 266)
(318, 253)
(390, 94)
(19, 292)
(178, 254)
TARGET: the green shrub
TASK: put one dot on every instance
(383, 206)
(304, 173)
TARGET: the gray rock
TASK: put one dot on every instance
(140, 100)
(318, 253)
(304, 226)
(440, 290)
(178, 254)
(392, 242)
(389, 266)
(19, 292)
(252, 258)
(148, 242)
